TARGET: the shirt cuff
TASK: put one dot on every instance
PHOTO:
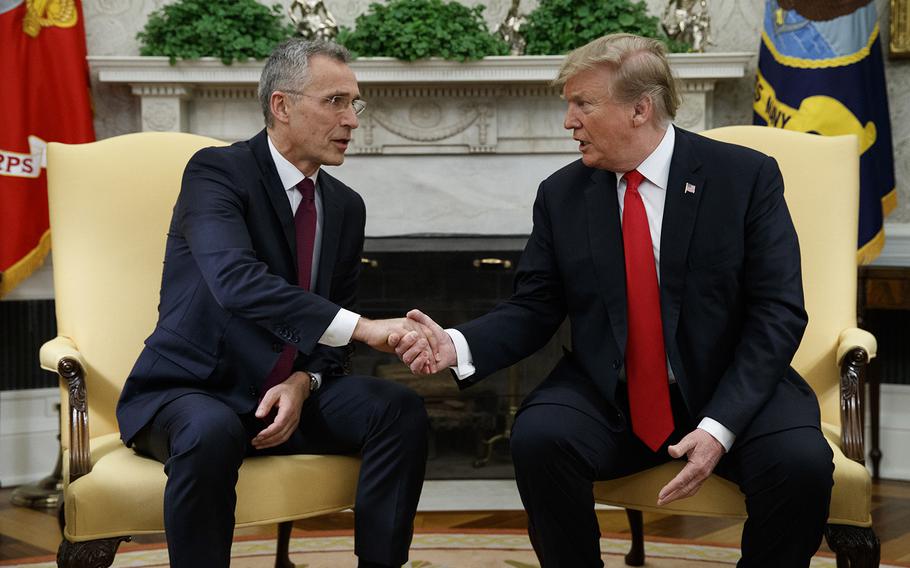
(464, 367)
(719, 431)
(339, 332)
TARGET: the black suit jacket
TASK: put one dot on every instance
(730, 288)
(229, 299)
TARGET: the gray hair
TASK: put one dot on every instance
(288, 66)
(639, 65)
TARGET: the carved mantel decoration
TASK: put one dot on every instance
(440, 126)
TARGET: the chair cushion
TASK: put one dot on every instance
(124, 493)
(851, 499)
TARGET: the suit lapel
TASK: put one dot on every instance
(685, 187)
(276, 193)
(605, 235)
(332, 220)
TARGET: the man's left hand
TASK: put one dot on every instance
(703, 451)
(288, 397)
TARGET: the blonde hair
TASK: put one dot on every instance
(639, 65)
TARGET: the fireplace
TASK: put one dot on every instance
(452, 279)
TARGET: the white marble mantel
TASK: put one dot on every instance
(443, 148)
(528, 68)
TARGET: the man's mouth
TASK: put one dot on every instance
(582, 144)
(342, 143)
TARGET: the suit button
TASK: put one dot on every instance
(253, 392)
(295, 339)
(277, 347)
(617, 364)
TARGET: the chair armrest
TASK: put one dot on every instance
(56, 349)
(853, 337)
(61, 355)
(855, 349)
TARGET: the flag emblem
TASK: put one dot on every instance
(820, 70)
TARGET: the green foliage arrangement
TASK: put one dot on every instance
(228, 29)
(416, 29)
(559, 26)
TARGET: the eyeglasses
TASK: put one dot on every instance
(338, 103)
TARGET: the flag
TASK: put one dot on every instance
(820, 70)
(44, 97)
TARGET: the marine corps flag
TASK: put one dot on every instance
(820, 70)
(44, 97)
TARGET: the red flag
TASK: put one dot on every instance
(44, 97)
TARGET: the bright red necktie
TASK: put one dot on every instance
(305, 229)
(646, 358)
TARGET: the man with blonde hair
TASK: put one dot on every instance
(676, 261)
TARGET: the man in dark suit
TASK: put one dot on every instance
(677, 264)
(250, 352)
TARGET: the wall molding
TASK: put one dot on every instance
(894, 432)
(29, 424)
(897, 246)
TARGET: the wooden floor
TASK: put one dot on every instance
(27, 532)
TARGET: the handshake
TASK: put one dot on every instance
(419, 342)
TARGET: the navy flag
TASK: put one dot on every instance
(820, 70)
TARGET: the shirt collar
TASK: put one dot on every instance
(656, 167)
(288, 172)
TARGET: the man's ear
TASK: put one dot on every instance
(642, 111)
(279, 106)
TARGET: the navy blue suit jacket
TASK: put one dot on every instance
(229, 299)
(730, 289)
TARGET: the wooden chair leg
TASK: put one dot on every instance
(636, 555)
(89, 554)
(282, 554)
(855, 547)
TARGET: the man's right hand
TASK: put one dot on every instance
(385, 334)
(409, 351)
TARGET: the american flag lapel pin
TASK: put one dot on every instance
(690, 189)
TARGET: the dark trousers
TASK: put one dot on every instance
(202, 443)
(559, 450)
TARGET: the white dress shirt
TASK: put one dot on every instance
(653, 189)
(341, 329)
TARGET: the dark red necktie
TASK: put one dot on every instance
(305, 229)
(646, 358)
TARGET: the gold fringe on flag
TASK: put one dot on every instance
(28, 264)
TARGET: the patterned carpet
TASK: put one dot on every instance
(441, 550)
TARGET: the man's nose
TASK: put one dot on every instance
(349, 118)
(570, 122)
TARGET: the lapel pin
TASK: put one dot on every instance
(690, 189)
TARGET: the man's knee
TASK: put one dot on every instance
(807, 459)
(799, 460)
(535, 438)
(211, 444)
(810, 466)
(397, 407)
(403, 403)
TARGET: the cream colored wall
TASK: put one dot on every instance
(111, 27)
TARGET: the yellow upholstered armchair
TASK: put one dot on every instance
(110, 206)
(821, 178)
